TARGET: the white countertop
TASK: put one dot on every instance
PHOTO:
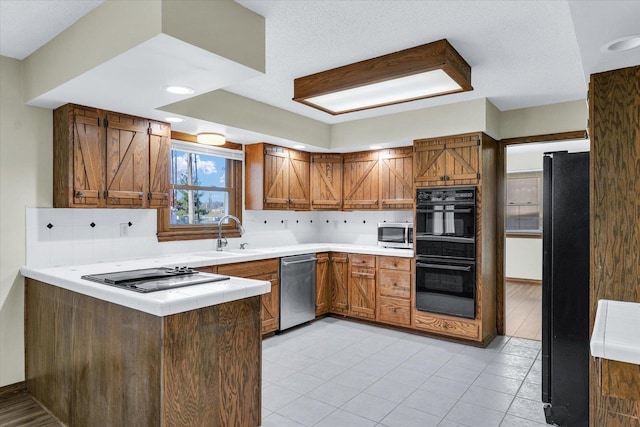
(616, 331)
(164, 303)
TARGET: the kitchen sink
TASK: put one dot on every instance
(245, 251)
(217, 254)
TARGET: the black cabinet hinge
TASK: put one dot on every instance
(105, 194)
(98, 121)
(478, 175)
(105, 123)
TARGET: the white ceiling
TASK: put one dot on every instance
(522, 53)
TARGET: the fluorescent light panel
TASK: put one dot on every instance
(388, 92)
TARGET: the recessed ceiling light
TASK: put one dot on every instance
(179, 90)
(375, 147)
(173, 119)
(298, 146)
(622, 44)
(210, 138)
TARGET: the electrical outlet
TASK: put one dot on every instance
(124, 229)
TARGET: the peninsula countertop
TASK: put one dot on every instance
(168, 302)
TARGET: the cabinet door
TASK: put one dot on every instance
(326, 181)
(361, 176)
(396, 178)
(127, 176)
(339, 283)
(362, 292)
(270, 310)
(276, 177)
(159, 169)
(88, 157)
(453, 160)
(299, 182)
(323, 284)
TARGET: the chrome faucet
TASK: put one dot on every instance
(220, 244)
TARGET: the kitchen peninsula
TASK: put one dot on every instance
(100, 355)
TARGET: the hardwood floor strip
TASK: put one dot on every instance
(523, 308)
(22, 410)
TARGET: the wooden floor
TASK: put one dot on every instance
(523, 306)
(22, 410)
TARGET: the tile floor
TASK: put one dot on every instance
(335, 373)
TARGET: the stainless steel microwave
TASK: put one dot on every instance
(395, 235)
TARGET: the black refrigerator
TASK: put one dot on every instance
(565, 288)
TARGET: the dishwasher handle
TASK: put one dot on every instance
(299, 262)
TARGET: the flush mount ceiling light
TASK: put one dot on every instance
(622, 44)
(179, 90)
(209, 138)
(173, 119)
(424, 71)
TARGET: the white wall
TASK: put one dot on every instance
(26, 157)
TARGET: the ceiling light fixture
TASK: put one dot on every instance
(375, 147)
(622, 44)
(420, 72)
(179, 90)
(298, 147)
(209, 138)
(174, 119)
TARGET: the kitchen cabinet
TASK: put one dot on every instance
(361, 180)
(396, 178)
(393, 290)
(270, 302)
(339, 283)
(451, 160)
(323, 283)
(326, 181)
(106, 159)
(276, 178)
(362, 286)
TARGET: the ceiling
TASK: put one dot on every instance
(522, 53)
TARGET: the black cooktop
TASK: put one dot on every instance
(154, 279)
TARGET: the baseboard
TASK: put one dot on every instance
(11, 389)
(521, 281)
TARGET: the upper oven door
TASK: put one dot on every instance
(446, 214)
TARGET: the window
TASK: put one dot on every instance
(206, 184)
(524, 202)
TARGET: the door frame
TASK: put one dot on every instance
(500, 195)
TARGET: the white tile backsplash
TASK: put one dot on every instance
(72, 240)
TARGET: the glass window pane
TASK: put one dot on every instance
(198, 206)
(197, 169)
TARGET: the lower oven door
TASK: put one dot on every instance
(446, 286)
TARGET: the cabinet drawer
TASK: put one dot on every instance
(394, 283)
(394, 263)
(359, 260)
(455, 328)
(250, 269)
(394, 310)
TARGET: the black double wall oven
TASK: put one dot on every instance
(445, 245)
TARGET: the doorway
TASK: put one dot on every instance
(523, 234)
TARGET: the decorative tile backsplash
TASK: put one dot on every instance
(57, 237)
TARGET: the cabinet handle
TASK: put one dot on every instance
(395, 310)
(79, 193)
(395, 284)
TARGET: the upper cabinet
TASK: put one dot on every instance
(361, 180)
(106, 159)
(276, 178)
(396, 178)
(326, 181)
(451, 160)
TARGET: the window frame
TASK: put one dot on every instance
(523, 174)
(235, 164)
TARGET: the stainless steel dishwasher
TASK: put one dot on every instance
(297, 290)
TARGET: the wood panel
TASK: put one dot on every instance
(446, 325)
(396, 178)
(393, 310)
(394, 283)
(21, 409)
(299, 180)
(362, 286)
(159, 167)
(339, 283)
(323, 284)
(326, 181)
(614, 128)
(451, 160)
(276, 177)
(361, 181)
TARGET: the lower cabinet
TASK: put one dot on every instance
(362, 286)
(339, 300)
(323, 284)
(261, 270)
(446, 325)
(394, 291)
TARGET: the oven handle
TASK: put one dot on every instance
(467, 210)
(443, 267)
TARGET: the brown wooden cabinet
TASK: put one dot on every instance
(396, 178)
(323, 283)
(261, 270)
(362, 286)
(393, 290)
(339, 283)
(361, 180)
(276, 178)
(107, 159)
(326, 181)
(451, 160)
